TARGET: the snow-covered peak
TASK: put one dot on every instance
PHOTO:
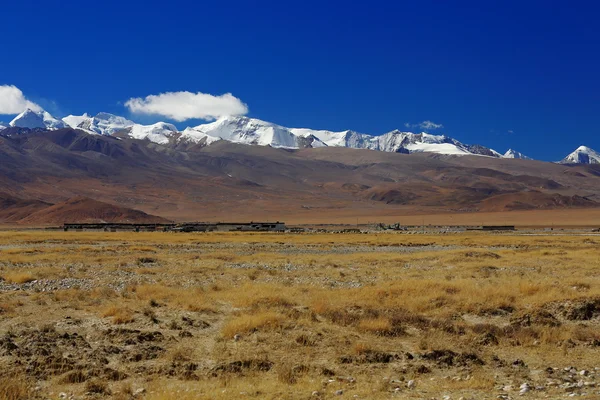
(510, 153)
(109, 124)
(102, 123)
(333, 139)
(409, 142)
(112, 120)
(106, 124)
(582, 155)
(75, 120)
(37, 119)
(159, 133)
(422, 137)
(249, 131)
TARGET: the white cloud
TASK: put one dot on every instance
(12, 101)
(181, 106)
(430, 125)
(425, 125)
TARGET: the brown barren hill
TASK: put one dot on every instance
(226, 181)
(83, 209)
(533, 200)
(13, 209)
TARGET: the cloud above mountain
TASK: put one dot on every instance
(425, 125)
(181, 106)
(13, 101)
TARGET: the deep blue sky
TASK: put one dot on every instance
(480, 68)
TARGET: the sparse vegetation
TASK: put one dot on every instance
(278, 315)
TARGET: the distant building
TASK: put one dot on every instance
(183, 227)
(231, 227)
(252, 226)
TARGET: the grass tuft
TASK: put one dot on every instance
(119, 314)
(252, 323)
(18, 277)
(14, 387)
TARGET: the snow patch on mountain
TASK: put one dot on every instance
(480, 150)
(109, 124)
(3, 125)
(102, 123)
(334, 139)
(194, 136)
(408, 142)
(510, 153)
(37, 119)
(160, 133)
(440, 148)
(582, 155)
(75, 120)
(397, 141)
(250, 131)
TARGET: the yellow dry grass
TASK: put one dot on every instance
(303, 303)
(14, 387)
(378, 326)
(245, 324)
(194, 299)
(18, 277)
(119, 314)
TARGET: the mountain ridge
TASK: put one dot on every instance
(252, 131)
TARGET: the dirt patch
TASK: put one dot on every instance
(536, 317)
(133, 336)
(370, 357)
(240, 366)
(482, 254)
(450, 358)
(46, 352)
(487, 339)
(576, 310)
(181, 370)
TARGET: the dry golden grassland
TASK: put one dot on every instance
(280, 316)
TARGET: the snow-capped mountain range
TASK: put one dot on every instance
(253, 131)
(109, 124)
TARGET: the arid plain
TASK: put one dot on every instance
(299, 316)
